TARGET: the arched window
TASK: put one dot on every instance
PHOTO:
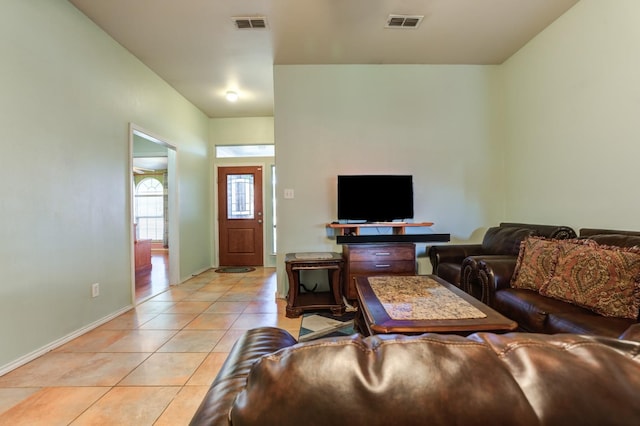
(149, 209)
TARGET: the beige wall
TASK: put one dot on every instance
(241, 131)
(436, 123)
(571, 120)
(69, 93)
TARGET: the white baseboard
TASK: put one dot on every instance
(57, 343)
(4, 369)
(195, 274)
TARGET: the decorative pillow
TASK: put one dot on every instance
(535, 262)
(604, 279)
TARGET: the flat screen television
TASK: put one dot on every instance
(375, 198)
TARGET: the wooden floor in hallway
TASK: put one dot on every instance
(156, 280)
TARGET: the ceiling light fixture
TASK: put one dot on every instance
(231, 96)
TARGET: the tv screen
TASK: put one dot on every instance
(375, 198)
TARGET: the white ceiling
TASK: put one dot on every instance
(149, 164)
(195, 46)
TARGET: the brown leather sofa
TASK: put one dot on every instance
(483, 379)
(540, 314)
(458, 263)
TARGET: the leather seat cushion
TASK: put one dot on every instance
(536, 313)
(526, 307)
(583, 321)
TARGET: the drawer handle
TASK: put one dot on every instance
(383, 253)
(382, 266)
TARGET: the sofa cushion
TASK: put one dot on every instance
(382, 380)
(505, 240)
(535, 262)
(577, 320)
(605, 279)
(540, 314)
(526, 307)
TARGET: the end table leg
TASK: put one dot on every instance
(338, 311)
(293, 312)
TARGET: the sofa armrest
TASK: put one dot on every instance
(452, 254)
(470, 280)
(494, 273)
(232, 378)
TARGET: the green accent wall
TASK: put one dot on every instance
(69, 94)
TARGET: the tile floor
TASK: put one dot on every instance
(149, 366)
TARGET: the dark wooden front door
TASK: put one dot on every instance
(240, 217)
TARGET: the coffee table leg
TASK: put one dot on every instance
(357, 322)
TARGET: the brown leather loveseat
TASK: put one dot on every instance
(457, 263)
(483, 379)
(535, 312)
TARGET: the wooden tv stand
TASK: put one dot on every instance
(376, 258)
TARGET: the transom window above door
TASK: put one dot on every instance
(241, 151)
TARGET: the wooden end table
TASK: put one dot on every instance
(372, 318)
(297, 301)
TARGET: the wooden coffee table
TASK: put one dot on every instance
(372, 317)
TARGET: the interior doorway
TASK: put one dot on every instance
(154, 215)
(240, 216)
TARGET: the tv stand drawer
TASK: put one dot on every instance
(383, 267)
(376, 259)
(382, 252)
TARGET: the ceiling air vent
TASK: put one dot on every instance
(250, 23)
(404, 21)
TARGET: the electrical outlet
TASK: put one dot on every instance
(95, 289)
(288, 194)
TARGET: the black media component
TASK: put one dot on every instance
(405, 238)
(375, 198)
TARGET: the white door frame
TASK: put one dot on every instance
(173, 211)
(214, 210)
